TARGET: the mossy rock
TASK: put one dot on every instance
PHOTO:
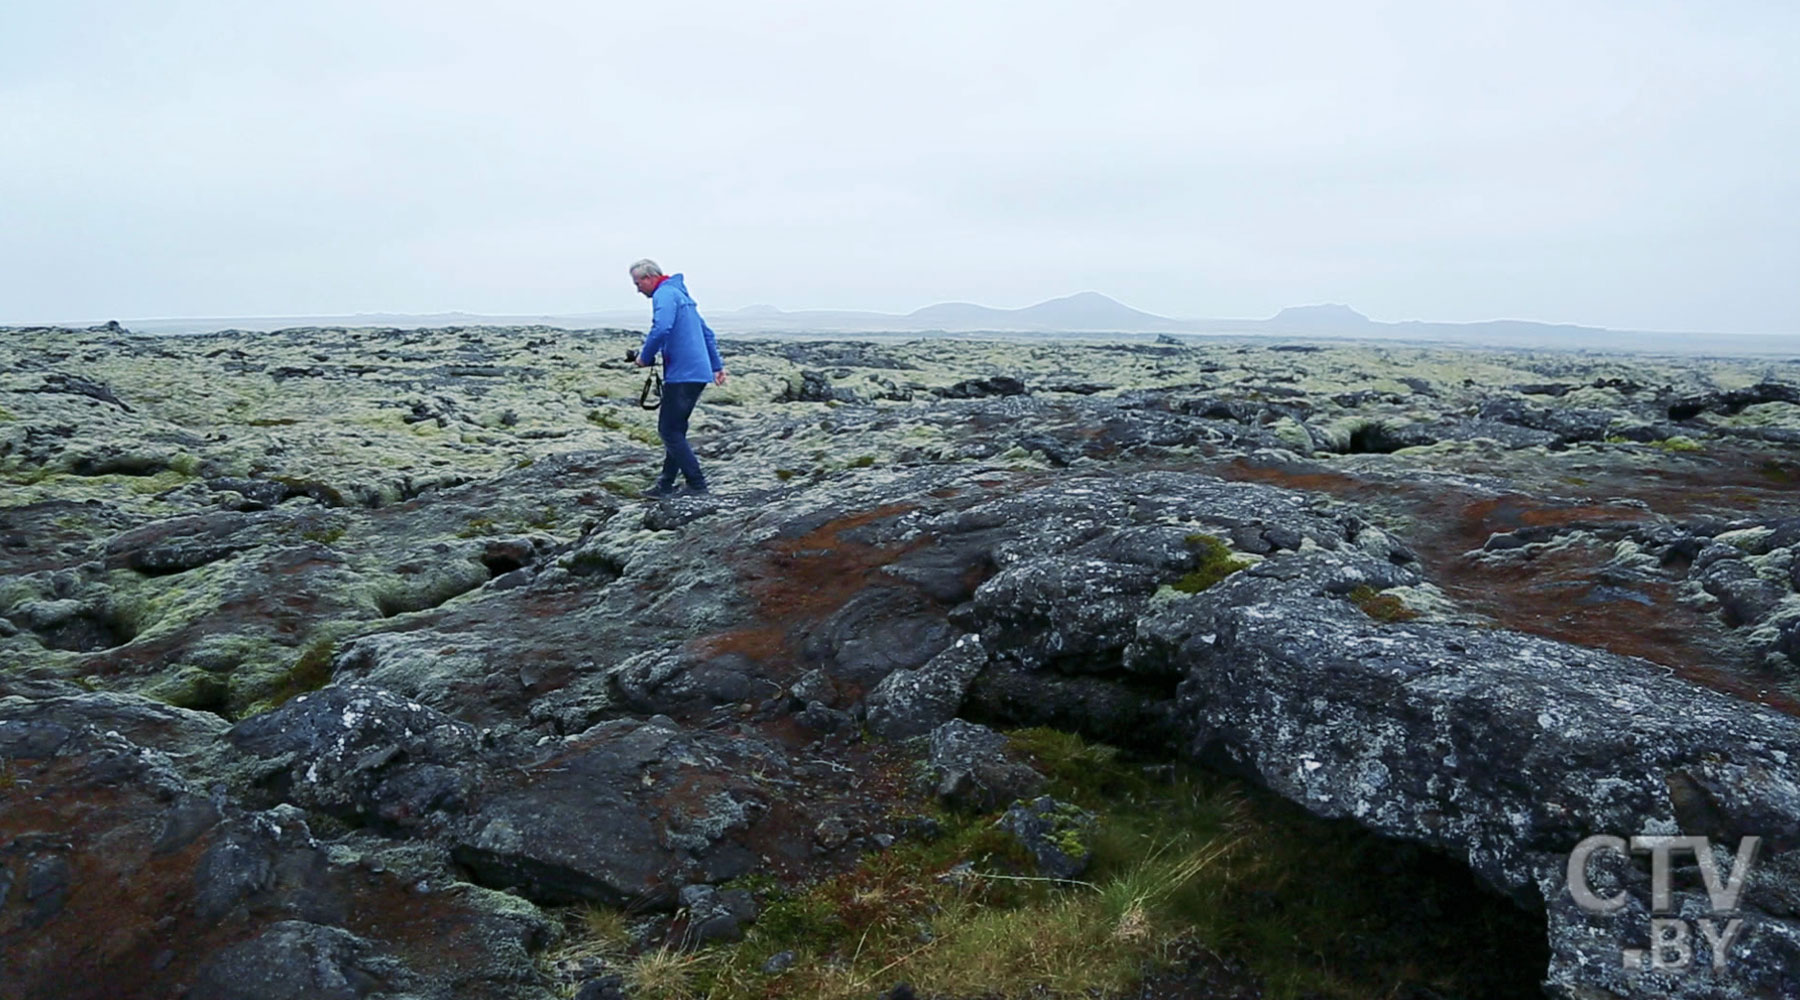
(1215, 563)
(1381, 607)
(189, 686)
(255, 691)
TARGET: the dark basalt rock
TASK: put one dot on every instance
(1057, 835)
(1068, 612)
(1502, 749)
(671, 682)
(296, 960)
(1733, 400)
(625, 813)
(181, 544)
(179, 732)
(1567, 424)
(715, 915)
(365, 755)
(1076, 612)
(99, 835)
(75, 385)
(816, 387)
(910, 703)
(969, 766)
(879, 631)
(977, 388)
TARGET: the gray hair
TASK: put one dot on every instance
(646, 268)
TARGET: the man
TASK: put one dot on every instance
(691, 359)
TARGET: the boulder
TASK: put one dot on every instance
(969, 766)
(911, 703)
(1503, 750)
(365, 755)
(1059, 836)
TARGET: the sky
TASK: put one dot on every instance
(1631, 164)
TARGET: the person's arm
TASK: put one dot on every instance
(712, 352)
(662, 320)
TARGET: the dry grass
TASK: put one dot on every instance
(1312, 909)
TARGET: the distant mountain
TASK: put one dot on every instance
(1082, 312)
(1330, 317)
(1085, 313)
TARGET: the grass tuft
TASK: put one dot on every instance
(668, 973)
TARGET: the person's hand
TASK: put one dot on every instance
(720, 376)
(641, 363)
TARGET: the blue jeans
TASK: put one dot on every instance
(678, 401)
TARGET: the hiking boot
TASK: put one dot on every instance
(661, 491)
(691, 490)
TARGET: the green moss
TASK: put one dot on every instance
(478, 527)
(6, 416)
(324, 534)
(1085, 773)
(328, 495)
(804, 919)
(1381, 607)
(309, 672)
(755, 881)
(20, 473)
(785, 474)
(1680, 442)
(271, 422)
(167, 479)
(1068, 840)
(1215, 563)
(191, 687)
(612, 421)
(862, 461)
(1779, 472)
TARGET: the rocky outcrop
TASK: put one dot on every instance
(195, 894)
(365, 756)
(1504, 750)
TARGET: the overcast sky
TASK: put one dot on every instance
(1630, 164)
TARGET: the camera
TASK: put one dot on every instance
(631, 355)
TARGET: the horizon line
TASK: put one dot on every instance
(761, 306)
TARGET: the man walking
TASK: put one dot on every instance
(691, 359)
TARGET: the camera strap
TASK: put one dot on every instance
(651, 397)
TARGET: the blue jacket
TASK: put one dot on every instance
(689, 349)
